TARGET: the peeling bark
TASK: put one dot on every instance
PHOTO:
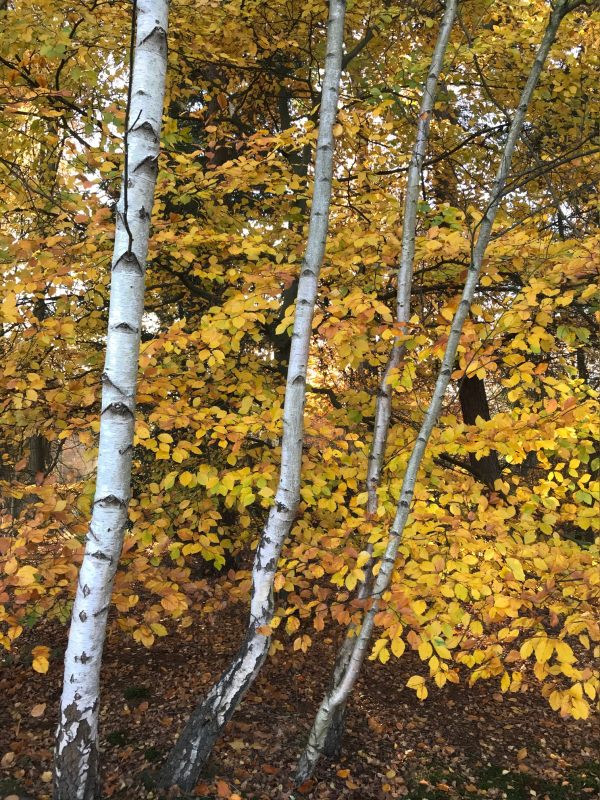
(195, 743)
(76, 756)
(339, 693)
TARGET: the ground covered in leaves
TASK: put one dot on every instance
(460, 743)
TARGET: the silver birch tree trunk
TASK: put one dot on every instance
(343, 686)
(185, 762)
(76, 756)
(383, 406)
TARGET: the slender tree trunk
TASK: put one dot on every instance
(204, 726)
(76, 757)
(473, 404)
(338, 694)
(383, 408)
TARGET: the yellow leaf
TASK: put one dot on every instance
(41, 656)
(555, 700)
(564, 653)
(425, 651)
(580, 709)
(527, 648)
(26, 575)
(185, 478)
(9, 309)
(543, 650)
(442, 650)
(398, 646)
(589, 689)
(461, 591)
(516, 568)
(292, 624)
(415, 681)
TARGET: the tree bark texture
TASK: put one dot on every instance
(339, 693)
(76, 756)
(186, 760)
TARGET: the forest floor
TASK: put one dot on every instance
(462, 742)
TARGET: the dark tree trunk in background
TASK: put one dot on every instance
(473, 404)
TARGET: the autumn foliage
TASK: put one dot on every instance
(498, 574)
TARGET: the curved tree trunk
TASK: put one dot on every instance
(195, 743)
(76, 757)
(339, 693)
(383, 408)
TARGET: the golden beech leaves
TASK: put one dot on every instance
(40, 656)
(418, 684)
(497, 576)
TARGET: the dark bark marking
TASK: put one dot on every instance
(120, 409)
(151, 162)
(125, 326)
(102, 556)
(106, 379)
(129, 259)
(111, 500)
(146, 127)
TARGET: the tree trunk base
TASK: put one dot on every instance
(332, 748)
(192, 750)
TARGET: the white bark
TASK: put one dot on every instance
(76, 757)
(383, 407)
(340, 691)
(195, 743)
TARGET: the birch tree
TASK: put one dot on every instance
(76, 757)
(383, 406)
(195, 743)
(345, 679)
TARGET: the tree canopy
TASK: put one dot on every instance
(497, 575)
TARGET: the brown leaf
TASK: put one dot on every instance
(223, 789)
(375, 725)
(38, 710)
(7, 759)
(305, 787)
